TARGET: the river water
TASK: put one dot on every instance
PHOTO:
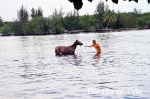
(29, 68)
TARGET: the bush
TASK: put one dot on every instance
(6, 30)
(37, 26)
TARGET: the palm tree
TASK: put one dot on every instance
(109, 16)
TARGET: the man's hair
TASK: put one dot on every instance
(94, 40)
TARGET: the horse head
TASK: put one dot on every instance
(77, 42)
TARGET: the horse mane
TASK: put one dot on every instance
(75, 43)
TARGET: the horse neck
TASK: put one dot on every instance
(74, 46)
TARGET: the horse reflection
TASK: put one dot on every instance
(67, 50)
(71, 60)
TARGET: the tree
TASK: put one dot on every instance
(101, 8)
(147, 24)
(1, 22)
(128, 20)
(39, 12)
(78, 3)
(86, 22)
(19, 23)
(144, 20)
(136, 12)
(57, 21)
(118, 19)
(36, 13)
(109, 17)
(37, 26)
(17, 28)
(22, 15)
(29, 28)
(72, 20)
(6, 29)
(33, 15)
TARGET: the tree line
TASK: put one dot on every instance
(34, 23)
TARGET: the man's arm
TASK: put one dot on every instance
(88, 46)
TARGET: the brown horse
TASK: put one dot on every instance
(67, 50)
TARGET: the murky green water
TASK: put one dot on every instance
(29, 68)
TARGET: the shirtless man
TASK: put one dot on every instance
(96, 46)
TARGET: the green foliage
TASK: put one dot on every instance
(144, 20)
(29, 28)
(128, 20)
(141, 22)
(147, 23)
(1, 22)
(72, 21)
(37, 26)
(57, 21)
(23, 15)
(18, 24)
(40, 26)
(109, 17)
(86, 22)
(6, 30)
(17, 28)
(101, 8)
(36, 13)
(118, 23)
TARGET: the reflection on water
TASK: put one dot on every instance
(70, 59)
(30, 69)
(97, 60)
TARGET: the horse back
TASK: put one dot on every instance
(64, 49)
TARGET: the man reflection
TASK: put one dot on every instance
(96, 60)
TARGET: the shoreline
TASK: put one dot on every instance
(85, 31)
(101, 30)
(104, 30)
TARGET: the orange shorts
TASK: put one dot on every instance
(97, 53)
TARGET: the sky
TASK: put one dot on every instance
(8, 8)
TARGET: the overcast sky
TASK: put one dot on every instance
(8, 8)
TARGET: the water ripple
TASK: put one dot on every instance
(29, 68)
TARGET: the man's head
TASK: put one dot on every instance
(93, 41)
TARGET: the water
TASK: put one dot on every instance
(29, 68)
